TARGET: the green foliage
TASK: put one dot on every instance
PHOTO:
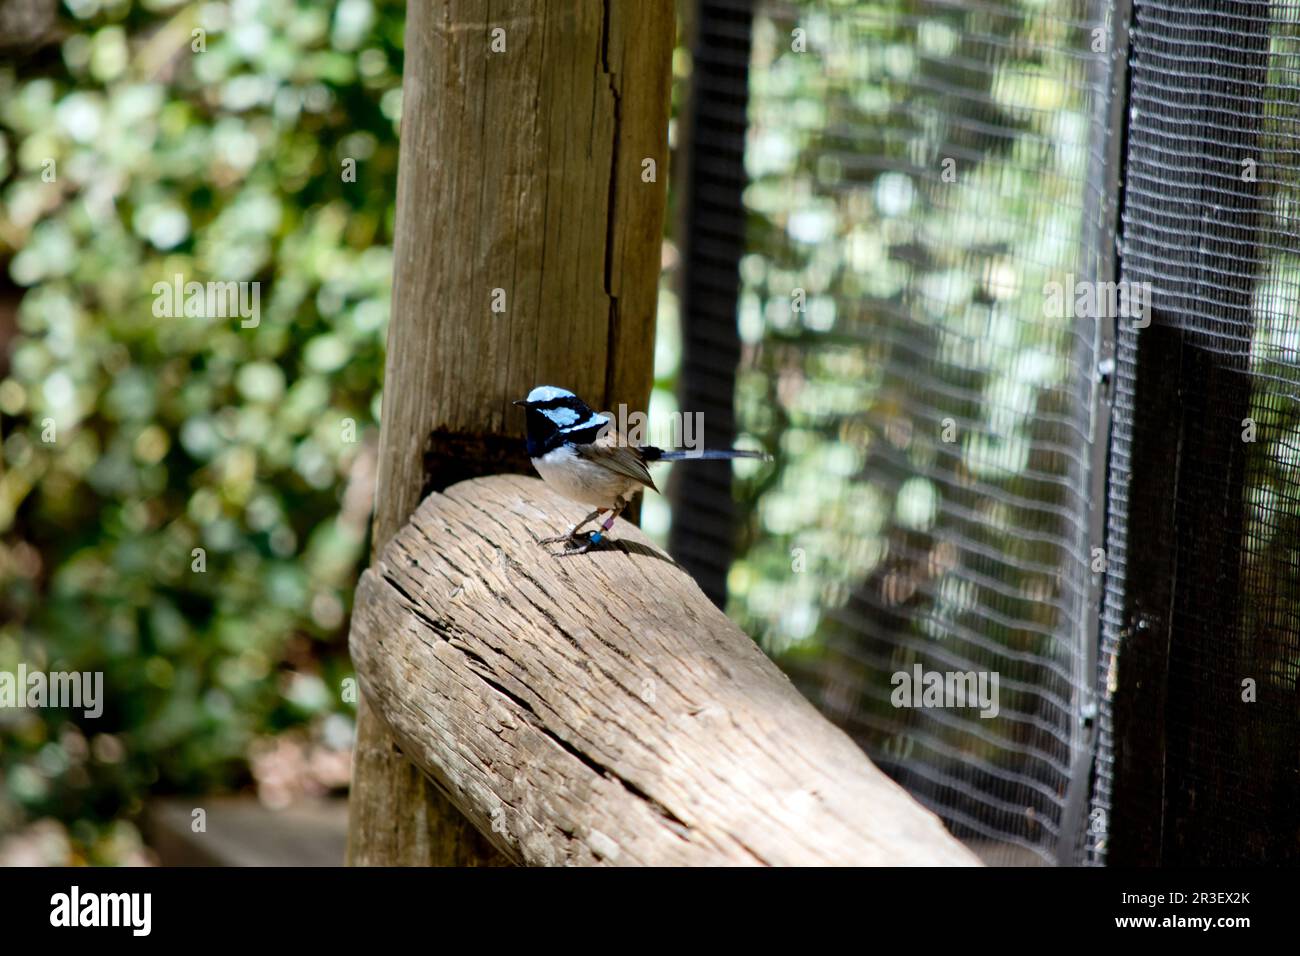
(131, 440)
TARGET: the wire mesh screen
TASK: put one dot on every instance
(1199, 756)
(922, 174)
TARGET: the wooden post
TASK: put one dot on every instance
(529, 225)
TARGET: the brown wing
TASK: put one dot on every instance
(612, 451)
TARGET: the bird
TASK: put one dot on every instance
(579, 453)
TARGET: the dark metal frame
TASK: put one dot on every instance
(713, 231)
(1082, 842)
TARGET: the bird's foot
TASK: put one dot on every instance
(581, 544)
(568, 536)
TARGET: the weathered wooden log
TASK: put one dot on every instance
(599, 709)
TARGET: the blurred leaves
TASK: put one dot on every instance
(204, 140)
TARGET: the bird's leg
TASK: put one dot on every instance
(596, 536)
(614, 513)
(573, 532)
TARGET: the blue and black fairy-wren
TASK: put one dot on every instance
(584, 457)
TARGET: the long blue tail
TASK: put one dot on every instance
(685, 454)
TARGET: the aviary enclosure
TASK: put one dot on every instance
(1009, 290)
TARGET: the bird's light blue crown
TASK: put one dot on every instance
(546, 393)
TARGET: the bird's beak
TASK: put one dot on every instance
(522, 401)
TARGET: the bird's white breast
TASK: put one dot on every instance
(582, 480)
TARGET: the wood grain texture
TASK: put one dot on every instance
(520, 171)
(599, 709)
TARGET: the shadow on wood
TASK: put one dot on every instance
(599, 709)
